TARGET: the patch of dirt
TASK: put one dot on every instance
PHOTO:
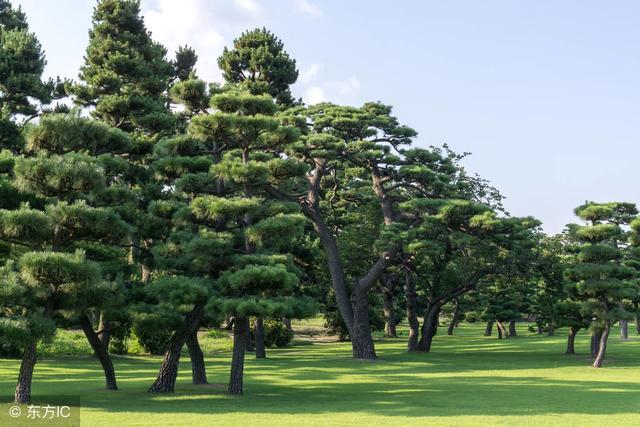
(314, 334)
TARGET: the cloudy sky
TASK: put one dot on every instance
(545, 93)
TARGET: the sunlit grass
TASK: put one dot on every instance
(467, 380)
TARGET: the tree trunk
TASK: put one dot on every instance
(429, 327)
(550, 330)
(624, 329)
(198, 369)
(23, 388)
(287, 323)
(602, 346)
(248, 338)
(595, 342)
(454, 318)
(638, 322)
(512, 328)
(502, 331)
(237, 359)
(488, 330)
(571, 339)
(258, 333)
(104, 329)
(412, 316)
(361, 338)
(389, 314)
(166, 380)
(100, 351)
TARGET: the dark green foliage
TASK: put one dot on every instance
(125, 75)
(259, 62)
(276, 333)
(21, 65)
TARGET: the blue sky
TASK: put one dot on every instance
(545, 93)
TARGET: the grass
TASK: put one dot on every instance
(467, 380)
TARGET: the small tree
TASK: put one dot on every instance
(602, 281)
(259, 62)
(125, 76)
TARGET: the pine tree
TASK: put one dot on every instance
(125, 75)
(262, 279)
(602, 281)
(259, 63)
(61, 247)
(21, 65)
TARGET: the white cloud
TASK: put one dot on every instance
(306, 7)
(206, 25)
(307, 75)
(248, 5)
(314, 95)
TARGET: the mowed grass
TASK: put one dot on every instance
(467, 379)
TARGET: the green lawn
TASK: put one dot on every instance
(467, 380)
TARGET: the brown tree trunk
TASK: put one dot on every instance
(25, 377)
(638, 322)
(237, 359)
(550, 330)
(502, 332)
(361, 338)
(595, 342)
(258, 334)
(512, 328)
(104, 331)
(287, 323)
(624, 329)
(100, 351)
(429, 327)
(166, 380)
(198, 369)
(454, 318)
(571, 339)
(389, 314)
(488, 330)
(602, 347)
(412, 316)
(248, 338)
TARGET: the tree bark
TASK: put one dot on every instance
(412, 316)
(287, 323)
(166, 380)
(602, 346)
(104, 329)
(624, 329)
(512, 328)
(258, 334)
(502, 332)
(595, 342)
(550, 330)
(454, 317)
(25, 377)
(488, 330)
(100, 351)
(237, 359)
(389, 314)
(361, 338)
(638, 322)
(198, 369)
(429, 327)
(571, 339)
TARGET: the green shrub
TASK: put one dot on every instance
(66, 343)
(153, 341)
(276, 333)
(10, 350)
(216, 334)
